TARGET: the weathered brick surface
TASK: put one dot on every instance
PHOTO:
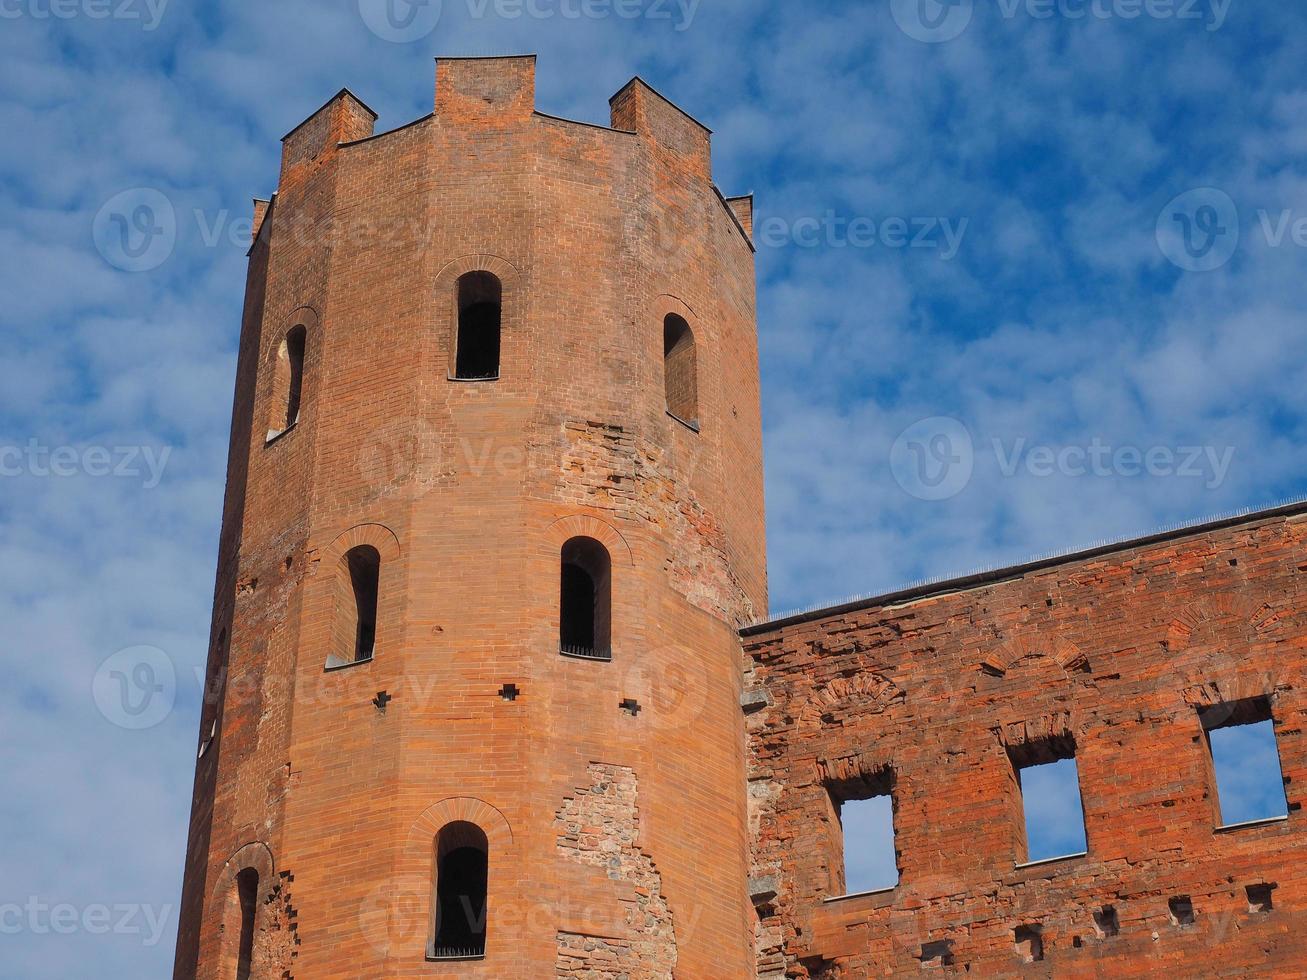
(1117, 651)
(619, 841)
(600, 827)
(468, 491)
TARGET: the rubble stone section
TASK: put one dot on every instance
(600, 826)
(276, 944)
(1120, 650)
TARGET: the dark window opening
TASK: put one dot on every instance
(585, 602)
(1260, 898)
(680, 371)
(354, 630)
(1245, 761)
(865, 858)
(247, 890)
(287, 382)
(480, 309)
(1106, 922)
(295, 344)
(1182, 910)
(1030, 943)
(461, 906)
(936, 953)
(364, 576)
(1048, 791)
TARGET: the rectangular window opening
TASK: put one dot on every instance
(1181, 908)
(1245, 761)
(1106, 922)
(1029, 943)
(865, 808)
(1260, 899)
(1049, 783)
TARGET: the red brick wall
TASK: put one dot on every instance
(1119, 651)
(468, 491)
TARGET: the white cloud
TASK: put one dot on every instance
(1059, 321)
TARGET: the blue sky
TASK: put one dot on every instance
(1047, 366)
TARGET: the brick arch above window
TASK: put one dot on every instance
(460, 809)
(256, 855)
(455, 269)
(377, 536)
(667, 304)
(303, 316)
(585, 526)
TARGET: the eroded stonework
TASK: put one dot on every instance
(605, 466)
(600, 827)
(1119, 657)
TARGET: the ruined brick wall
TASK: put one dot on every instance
(1116, 651)
(600, 827)
(468, 492)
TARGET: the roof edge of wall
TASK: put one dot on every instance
(987, 576)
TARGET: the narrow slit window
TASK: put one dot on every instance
(1245, 761)
(866, 856)
(461, 893)
(247, 892)
(585, 600)
(358, 581)
(680, 370)
(288, 382)
(1048, 784)
(296, 341)
(480, 312)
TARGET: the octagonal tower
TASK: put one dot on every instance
(494, 514)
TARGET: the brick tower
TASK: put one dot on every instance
(493, 518)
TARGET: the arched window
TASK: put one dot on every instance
(585, 603)
(680, 377)
(460, 905)
(247, 893)
(288, 382)
(358, 578)
(480, 305)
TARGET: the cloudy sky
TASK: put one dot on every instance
(1030, 274)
